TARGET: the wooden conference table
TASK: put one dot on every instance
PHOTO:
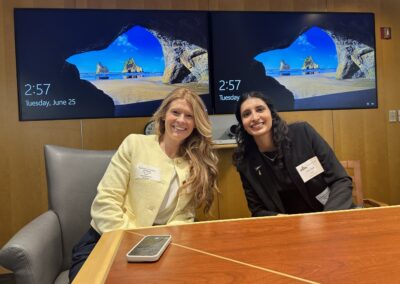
(354, 246)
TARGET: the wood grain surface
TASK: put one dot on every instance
(353, 246)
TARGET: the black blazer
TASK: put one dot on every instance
(260, 185)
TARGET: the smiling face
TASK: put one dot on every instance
(179, 121)
(256, 118)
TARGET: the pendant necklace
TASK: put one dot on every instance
(272, 159)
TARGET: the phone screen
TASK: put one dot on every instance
(150, 245)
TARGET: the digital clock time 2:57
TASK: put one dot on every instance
(228, 85)
(37, 89)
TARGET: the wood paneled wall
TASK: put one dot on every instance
(355, 134)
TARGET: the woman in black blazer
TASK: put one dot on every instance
(286, 169)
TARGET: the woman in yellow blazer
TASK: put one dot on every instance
(156, 179)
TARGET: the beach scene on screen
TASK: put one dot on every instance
(310, 68)
(135, 68)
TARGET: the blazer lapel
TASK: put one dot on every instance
(291, 164)
(265, 178)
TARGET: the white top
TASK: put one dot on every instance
(169, 203)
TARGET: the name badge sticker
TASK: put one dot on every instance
(147, 172)
(309, 169)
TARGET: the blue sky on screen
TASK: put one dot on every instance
(136, 43)
(315, 42)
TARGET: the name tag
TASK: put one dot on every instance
(147, 172)
(309, 169)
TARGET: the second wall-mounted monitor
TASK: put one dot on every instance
(107, 63)
(302, 61)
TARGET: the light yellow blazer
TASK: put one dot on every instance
(134, 185)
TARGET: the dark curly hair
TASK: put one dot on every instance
(246, 142)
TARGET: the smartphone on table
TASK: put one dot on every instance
(149, 248)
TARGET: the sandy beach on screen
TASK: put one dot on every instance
(307, 86)
(127, 91)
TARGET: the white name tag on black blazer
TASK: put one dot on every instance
(309, 169)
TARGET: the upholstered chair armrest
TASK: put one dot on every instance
(34, 253)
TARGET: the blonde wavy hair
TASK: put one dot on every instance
(197, 148)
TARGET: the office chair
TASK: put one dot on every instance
(40, 253)
(353, 168)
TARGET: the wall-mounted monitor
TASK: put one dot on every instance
(302, 61)
(75, 63)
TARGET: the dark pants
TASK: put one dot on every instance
(81, 251)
